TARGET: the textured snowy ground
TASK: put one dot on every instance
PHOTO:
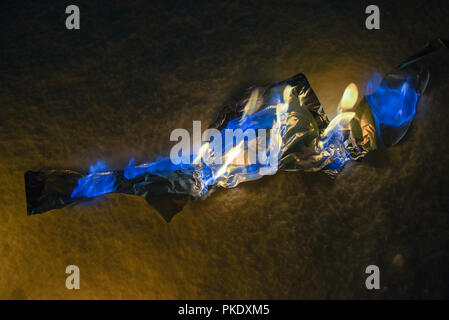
(135, 71)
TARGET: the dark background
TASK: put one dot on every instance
(137, 70)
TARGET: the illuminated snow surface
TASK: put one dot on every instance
(115, 90)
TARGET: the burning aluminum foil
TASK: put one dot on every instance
(300, 138)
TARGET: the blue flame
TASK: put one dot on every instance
(100, 180)
(392, 106)
(162, 167)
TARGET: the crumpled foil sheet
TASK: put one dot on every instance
(302, 148)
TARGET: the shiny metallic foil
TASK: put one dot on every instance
(306, 144)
